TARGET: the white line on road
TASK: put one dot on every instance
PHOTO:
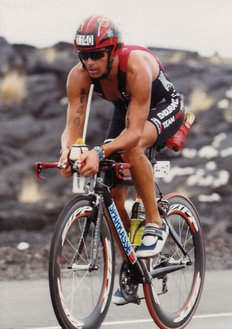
(114, 323)
(216, 315)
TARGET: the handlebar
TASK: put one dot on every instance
(39, 166)
(104, 165)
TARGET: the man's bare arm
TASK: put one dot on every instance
(77, 92)
(139, 83)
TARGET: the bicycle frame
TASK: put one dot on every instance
(137, 265)
(103, 198)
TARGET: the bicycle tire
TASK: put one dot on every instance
(173, 298)
(80, 297)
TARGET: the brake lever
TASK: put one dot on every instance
(119, 169)
(77, 166)
(63, 165)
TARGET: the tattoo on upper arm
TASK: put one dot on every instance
(83, 95)
(81, 109)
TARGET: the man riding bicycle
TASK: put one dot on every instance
(147, 111)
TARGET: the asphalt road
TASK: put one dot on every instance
(26, 305)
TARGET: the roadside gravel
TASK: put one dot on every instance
(24, 254)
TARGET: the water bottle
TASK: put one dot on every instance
(79, 181)
(176, 142)
(137, 222)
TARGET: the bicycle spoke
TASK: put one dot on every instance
(174, 295)
(82, 238)
(75, 287)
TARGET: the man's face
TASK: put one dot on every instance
(95, 62)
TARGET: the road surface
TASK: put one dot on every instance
(26, 305)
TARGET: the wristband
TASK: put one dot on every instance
(100, 152)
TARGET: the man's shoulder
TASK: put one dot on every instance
(77, 71)
(77, 80)
(78, 75)
(129, 48)
(130, 54)
(124, 55)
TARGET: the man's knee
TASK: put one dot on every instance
(133, 154)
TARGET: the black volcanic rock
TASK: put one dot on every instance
(30, 131)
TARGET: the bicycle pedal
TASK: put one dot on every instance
(137, 300)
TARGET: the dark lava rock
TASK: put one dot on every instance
(30, 131)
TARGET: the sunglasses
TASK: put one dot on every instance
(94, 55)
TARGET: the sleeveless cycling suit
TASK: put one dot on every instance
(166, 106)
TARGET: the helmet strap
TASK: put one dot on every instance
(83, 65)
(108, 69)
(109, 65)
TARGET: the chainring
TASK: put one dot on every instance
(127, 284)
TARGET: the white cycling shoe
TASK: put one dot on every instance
(118, 298)
(154, 239)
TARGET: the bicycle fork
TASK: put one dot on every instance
(93, 263)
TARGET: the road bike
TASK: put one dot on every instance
(82, 256)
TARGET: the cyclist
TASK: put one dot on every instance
(147, 111)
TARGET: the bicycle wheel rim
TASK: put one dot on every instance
(80, 297)
(174, 308)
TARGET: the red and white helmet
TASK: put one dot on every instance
(98, 32)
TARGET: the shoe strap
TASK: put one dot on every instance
(153, 231)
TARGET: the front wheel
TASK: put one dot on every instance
(173, 298)
(80, 293)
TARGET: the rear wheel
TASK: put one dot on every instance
(80, 293)
(173, 298)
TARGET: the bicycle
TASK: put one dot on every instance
(82, 256)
